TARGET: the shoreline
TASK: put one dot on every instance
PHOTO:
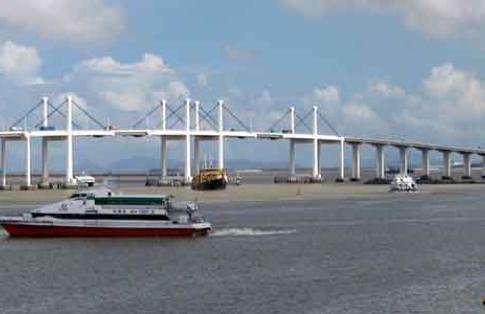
(244, 193)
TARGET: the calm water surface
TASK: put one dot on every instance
(395, 254)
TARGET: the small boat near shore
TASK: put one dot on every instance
(403, 183)
(104, 214)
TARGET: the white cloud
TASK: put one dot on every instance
(328, 94)
(201, 79)
(20, 64)
(128, 86)
(451, 108)
(76, 21)
(435, 17)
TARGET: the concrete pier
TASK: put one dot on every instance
(220, 160)
(355, 162)
(28, 165)
(380, 162)
(342, 161)
(69, 153)
(316, 146)
(446, 165)
(403, 158)
(45, 166)
(3, 160)
(292, 166)
(483, 166)
(467, 166)
(163, 140)
(188, 157)
(425, 163)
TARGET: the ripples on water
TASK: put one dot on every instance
(402, 254)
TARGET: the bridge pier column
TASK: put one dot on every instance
(188, 157)
(355, 162)
(316, 146)
(342, 161)
(446, 165)
(425, 163)
(163, 141)
(316, 159)
(467, 166)
(163, 156)
(196, 155)
(4, 163)
(69, 153)
(28, 163)
(483, 166)
(380, 171)
(45, 158)
(403, 156)
(221, 134)
(292, 166)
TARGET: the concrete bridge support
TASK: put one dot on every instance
(483, 166)
(28, 164)
(446, 165)
(196, 155)
(196, 141)
(163, 141)
(380, 162)
(425, 164)
(403, 157)
(3, 160)
(467, 166)
(221, 134)
(316, 146)
(163, 156)
(45, 143)
(69, 153)
(341, 177)
(292, 165)
(188, 157)
(355, 162)
(45, 166)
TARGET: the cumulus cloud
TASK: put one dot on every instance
(438, 18)
(20, 64)
(76, 21)
(128, 86)
(451, 107)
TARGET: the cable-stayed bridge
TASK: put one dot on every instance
(184, 122)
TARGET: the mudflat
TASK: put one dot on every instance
(249, 192)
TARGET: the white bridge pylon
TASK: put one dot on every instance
(191, 123)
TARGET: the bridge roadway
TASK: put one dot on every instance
(191, 134)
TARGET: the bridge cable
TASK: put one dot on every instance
(205, 116)
(146, 116)
(175, 113)
(208, 116)
(56, 109)
(90, 116)
(328, 124)
(237, 119)
(302, 121)
(279, 121)
(26, 114)
(49, 114)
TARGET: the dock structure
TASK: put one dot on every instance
(185, 123)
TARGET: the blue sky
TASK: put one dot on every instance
(409, 69)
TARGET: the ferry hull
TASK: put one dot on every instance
(39, 230)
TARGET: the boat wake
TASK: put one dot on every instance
(249, 232)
